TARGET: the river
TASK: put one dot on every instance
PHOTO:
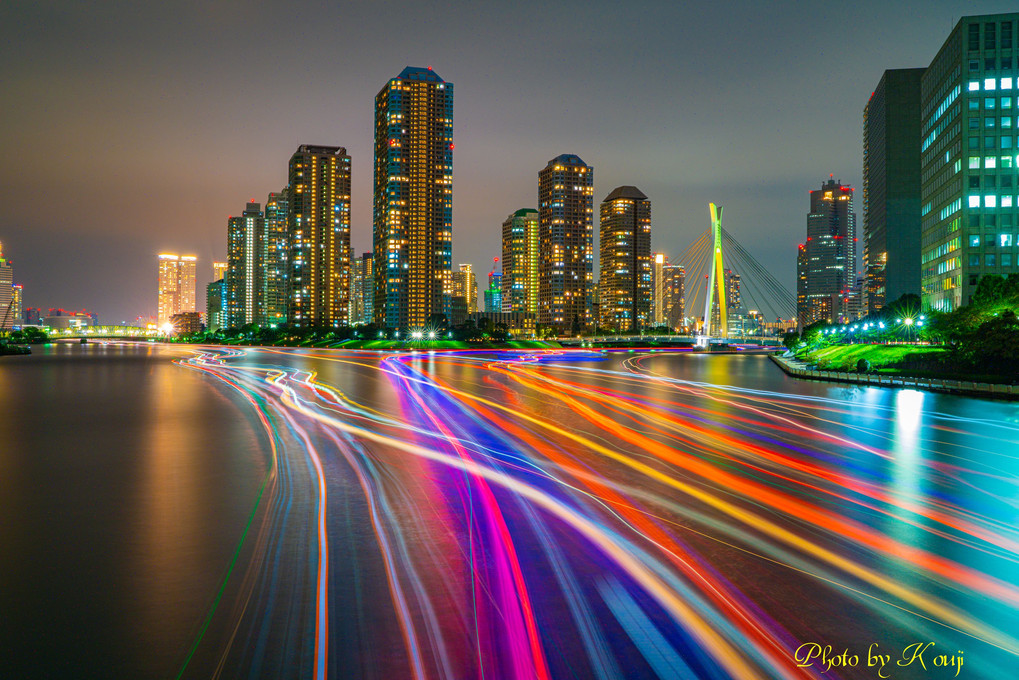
(170, 511)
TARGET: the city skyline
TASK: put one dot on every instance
(751, 143)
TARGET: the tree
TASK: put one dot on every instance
(791, 340)
(994, 345)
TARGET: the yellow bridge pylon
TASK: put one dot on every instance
(716, 280)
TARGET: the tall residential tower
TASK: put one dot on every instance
(246, 268)
(520, 262)
(413, 199)
(566, 243)
(318, 230)
(625, 245)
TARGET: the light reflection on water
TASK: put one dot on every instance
(518, 515)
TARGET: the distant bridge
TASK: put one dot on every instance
(103, 333)
(667, 341)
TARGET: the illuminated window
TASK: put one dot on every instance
(974, 162)
(974, 240)
(990, 201)
(974, 85)
(989, 83)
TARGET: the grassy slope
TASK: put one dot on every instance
(845, 357)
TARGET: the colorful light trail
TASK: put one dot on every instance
(589, 514)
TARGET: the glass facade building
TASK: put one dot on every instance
(969, 110)
(891, 189)
(413, 199)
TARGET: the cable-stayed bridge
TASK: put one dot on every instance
(725, 283)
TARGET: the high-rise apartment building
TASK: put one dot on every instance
(520, 262)
(215, 305)
(367, 290)
(566, 243)
(625, 245)
(413, 199)
(176, 286)
(6, 292)
(188, 268)
(275, 250)
(318, 232)
(674, 296)
(17, 303)
(245, 255)
(657, 305)
(465, 286)
(219, 270)
(891, 189)
(829, 255)
(969, 102)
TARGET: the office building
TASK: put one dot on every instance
(625, 245)
(318, 231)
(968, 193)
(33, 316)
(413, 199)
(245, 247)
(176, 286)
(828, 256)
(465, 287)
(891, 189)
(566, 244)
(219, 270)
(520, 262)
(275, 250)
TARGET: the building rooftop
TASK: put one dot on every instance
(321, 150)
(626, 192)
(568, 159)
(523, 212)
(418, 73)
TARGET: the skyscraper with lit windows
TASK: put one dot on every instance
(520, 262)
(969, 103)
(413, 199)
(657, 308)
(566, 243)
(828, 257)
(891, 189)
(275, 246)
(318, 231)
(246, 268)
(176, 286)
(219, 270)
(625, 246)
(465, 286)
(6, 292)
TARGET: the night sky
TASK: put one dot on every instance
(133, 128)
